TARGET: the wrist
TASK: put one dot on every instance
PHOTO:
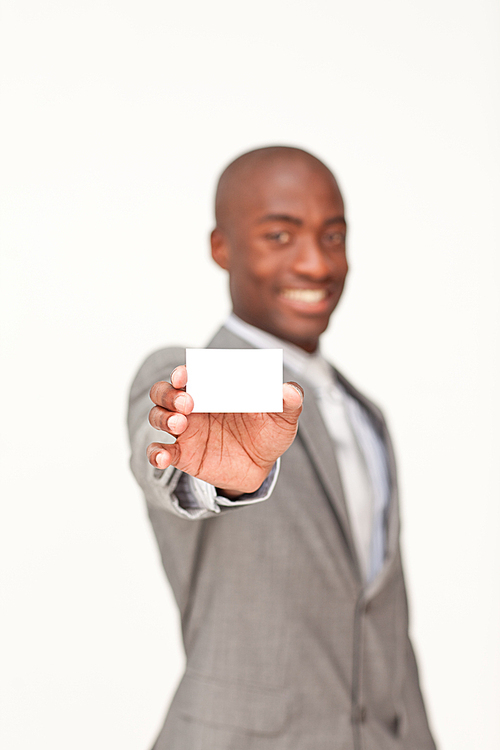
(231, 494)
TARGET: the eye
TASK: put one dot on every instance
(334, 239)
(281, 238)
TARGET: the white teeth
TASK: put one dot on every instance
(304, 295)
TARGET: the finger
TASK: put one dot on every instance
(165, 395)
(178, 378)
(293, 398)
(161, 455)
(168, 421)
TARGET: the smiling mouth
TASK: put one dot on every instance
(310, 296)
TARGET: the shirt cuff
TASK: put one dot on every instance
(196, 497)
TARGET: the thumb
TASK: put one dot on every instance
(293, 398)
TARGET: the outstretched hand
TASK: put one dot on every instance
(234, 452)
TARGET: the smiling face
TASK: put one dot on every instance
(281, 235)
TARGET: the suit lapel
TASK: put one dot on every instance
(318, 444)
(393, 522)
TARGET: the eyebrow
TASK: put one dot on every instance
(298, 222)
(281, 217)
(335, 220)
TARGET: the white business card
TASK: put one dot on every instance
(235, 380)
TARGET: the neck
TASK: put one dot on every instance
(310, 346)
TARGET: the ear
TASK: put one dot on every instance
(219, 249)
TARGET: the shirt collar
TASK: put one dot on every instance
(312, 367)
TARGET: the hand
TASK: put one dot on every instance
(234, 452)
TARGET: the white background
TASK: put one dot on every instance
(117, 117)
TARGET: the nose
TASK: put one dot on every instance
(312, 261)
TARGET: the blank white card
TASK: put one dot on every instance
(235, 380)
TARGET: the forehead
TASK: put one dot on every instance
(291, 187)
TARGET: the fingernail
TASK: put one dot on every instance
(173, 422)
(298, 388)
(180, 402)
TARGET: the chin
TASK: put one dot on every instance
(308, 327)
(305, 339)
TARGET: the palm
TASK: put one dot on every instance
(233, 450)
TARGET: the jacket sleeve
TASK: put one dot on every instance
(171, 489)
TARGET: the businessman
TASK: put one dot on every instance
(279, 533)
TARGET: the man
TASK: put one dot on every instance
(288, 578)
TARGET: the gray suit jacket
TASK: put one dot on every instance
(285, 647)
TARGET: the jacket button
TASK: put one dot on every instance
(359, 715)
